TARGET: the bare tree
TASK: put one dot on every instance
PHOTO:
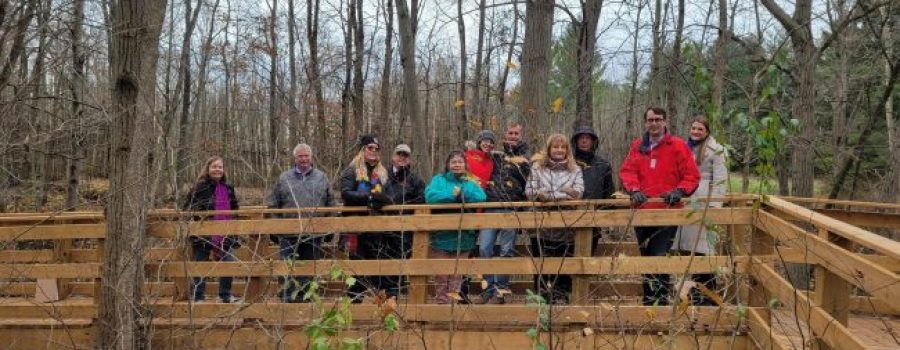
(585, 59)
(77, 87)
(462, 122)
(536, 65)
(406, 26)
(136, 26)
(385, 96)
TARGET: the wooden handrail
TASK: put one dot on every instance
(880, 244)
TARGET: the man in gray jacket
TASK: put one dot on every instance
(302, 186)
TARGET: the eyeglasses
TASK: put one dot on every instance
(372, 148)
(655, 120)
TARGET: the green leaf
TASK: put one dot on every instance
(773, 303)
(741, 312)
(350, 281)
(532, 333)
(390, 323)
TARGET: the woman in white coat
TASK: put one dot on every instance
(710, 157)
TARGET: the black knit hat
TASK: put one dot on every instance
(485, 135)
(368, 139)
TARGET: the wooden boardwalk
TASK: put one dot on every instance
(50, 285)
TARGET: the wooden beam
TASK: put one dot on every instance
(761, 333)
(880, 244)
(821, 324)
(429, 267)
(71, 231)
(862, 273)
(421, 245)
(469, 221)
(864, 219)
(794, 255)
(411, 338)
(832, 293)
(826, 201)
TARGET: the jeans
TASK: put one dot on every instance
(656, 241)
(506, 239)
(202, 249)
(296, 248)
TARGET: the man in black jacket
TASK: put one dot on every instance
(598, 178)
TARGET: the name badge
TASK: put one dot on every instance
(653, 164)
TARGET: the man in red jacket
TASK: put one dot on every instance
(658, 165)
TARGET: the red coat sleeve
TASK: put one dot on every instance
(630, 168)
(690, 178)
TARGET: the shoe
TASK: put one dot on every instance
(231, 300)
(496, 300)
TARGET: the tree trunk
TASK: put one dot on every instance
(77, 86)
(185, 139)
(312, 36)
(462, 122)
(477, 109)
(411, 110)
(346, 93)
(674, 72)
(385, 102)
(274, 99)
(536, 62)
(585, 59)
(501, 85)
(654, 97)
(134, 48)
(358, 77)
(296, 132)
(720, 65)
(893, 131)
(632, 91)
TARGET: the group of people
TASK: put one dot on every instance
(658, 165)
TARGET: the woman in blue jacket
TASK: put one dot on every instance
(455, 185)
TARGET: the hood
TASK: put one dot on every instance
(585, 130)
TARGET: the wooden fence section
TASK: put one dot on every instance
(63, 260)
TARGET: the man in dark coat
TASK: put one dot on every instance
(598, 177)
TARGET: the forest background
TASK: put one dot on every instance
(802, 92)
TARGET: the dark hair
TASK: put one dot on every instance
(454, 153)
(656, 110)
(700, 118)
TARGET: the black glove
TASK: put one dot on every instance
(638, 198)
(673, 197)
(378, 200)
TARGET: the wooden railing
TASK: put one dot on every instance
(761, 238)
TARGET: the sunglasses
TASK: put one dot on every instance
(372, 148)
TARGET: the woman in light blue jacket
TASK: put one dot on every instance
(455, 185)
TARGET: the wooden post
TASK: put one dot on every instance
(581, 283)
(55, 289)
(739, 239)
(418, 285)
(832, 293)
(257, 286)
(761, 244)
(183, 253)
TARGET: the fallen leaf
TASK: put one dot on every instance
(512, 65)
(459, 104)
(587, 331)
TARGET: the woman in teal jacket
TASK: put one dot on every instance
(455, 185)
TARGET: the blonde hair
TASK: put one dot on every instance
(542, 159)
(359, 163)
(204, 173)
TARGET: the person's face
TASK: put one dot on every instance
(372, 153)
(513, 135)
(486, 146)
(216, 170)
(303, 159)
(698, 131)
(585, 142)
(400, 160)
(559, 151)
(457, 165)
(654, 123)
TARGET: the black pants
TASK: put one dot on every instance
(380, 246)
(656, 241)
(551, 286)
(708, 280)
(293, 247)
